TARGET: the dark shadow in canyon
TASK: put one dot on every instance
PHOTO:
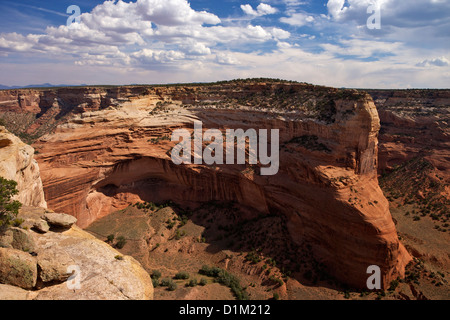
(229, 225)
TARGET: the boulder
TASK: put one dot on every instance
(101, 276)
(33, 219)
(23, 240)
(6, 238)
(41, 226)
(17, 238)
(53, 265)
(17, 268)
(60, 220)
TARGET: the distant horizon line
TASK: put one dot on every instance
(49, 85)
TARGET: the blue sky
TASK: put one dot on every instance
(169, 41)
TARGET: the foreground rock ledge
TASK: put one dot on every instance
(101, 275)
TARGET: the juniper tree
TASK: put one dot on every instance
(9, 208)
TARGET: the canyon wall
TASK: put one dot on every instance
(113, 148)
(415, 123)
(35, 257)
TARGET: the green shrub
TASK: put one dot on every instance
(253, 257)
(17, 222)
(394, 285)
(169, 283)
(8, 208)
(210, 271)
(170, 224)
(223, 277)
(166, 282)
(278, 281)
(178, 235)
(110, 238)
(184, 219)
(121, 241)
(155, 283)
(182, 276)
(203, 282)
(156, 274)
(172, 286)
(192, 283)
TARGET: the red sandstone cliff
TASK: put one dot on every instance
(110, 153)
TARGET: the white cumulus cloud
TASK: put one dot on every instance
(142, 33)
(298, 19)
(262, 10)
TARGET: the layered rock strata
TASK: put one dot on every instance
(39, 255)
(415, 123)
(113, 152)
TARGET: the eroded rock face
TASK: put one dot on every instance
(101, 160)
(415, 124)
(17, 163)
(36, 261)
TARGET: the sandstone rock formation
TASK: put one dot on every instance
(17, 163)
(60, 220)
(8, 292)
(415, 124)
(113, 149)
(18, 268)
(64, 257)
(37, 258)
